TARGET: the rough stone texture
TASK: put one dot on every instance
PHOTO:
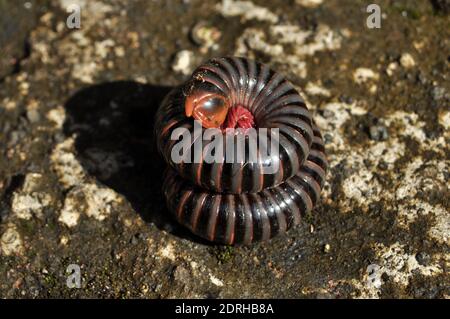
(17, 18)
(80, 178)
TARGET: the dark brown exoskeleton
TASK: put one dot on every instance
(234, 203)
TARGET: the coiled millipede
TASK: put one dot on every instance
(236, 202)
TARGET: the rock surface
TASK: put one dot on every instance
(80, 178)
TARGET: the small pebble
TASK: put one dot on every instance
(407, 61)
(345, 99)
(144, 288)
(205, 35)
(327, 114)
(391, 68)
(134, 240)
(326, 248)
(33, 116)
(378, 133)
(438, 93)
(328, 138)
(363, 75)
(423, 258)
(183, 62)
(382, 165)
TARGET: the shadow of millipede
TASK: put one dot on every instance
(113, 123)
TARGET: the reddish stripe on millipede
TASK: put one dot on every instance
(213, 214)
(196, 213)
(182, 203)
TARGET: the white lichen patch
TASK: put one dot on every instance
(216, 281)
(418, 176)
(57, 116)
(91, 199)
(444, 120)
(373, 276)
(284, 38)
(363, 75)
(8, 104)
(414, 208)
(64, 240)
(362, 184)
(42, 49)
(94, 200)
(316, 89)
(325, 39)
(394, 262)
(65, 4)
(399, 265)
(85, 65)
(255, 40)
(409, 186)
(64, 162)
(407, 61)
(183, 62)
(391, 68)
(206, 36)
(425, 177)
(32, 107)
(119, 51)
(246, 10)
(85, 72)
(103, 48)
(87, 57)
(304, 43)
(388, 151)
(421, 176)
(332, 117)
(309, 3)
(296, 65)
(28, 201)
(167, 252)
(289, 33)
(70, 213)
(100, 201)
(11, 241)
(440, 231)
(411, 125)
(81, 40)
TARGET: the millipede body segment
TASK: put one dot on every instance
(234, 201)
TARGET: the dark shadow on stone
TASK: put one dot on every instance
(113, 125)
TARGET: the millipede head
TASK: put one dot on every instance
(205, 104)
